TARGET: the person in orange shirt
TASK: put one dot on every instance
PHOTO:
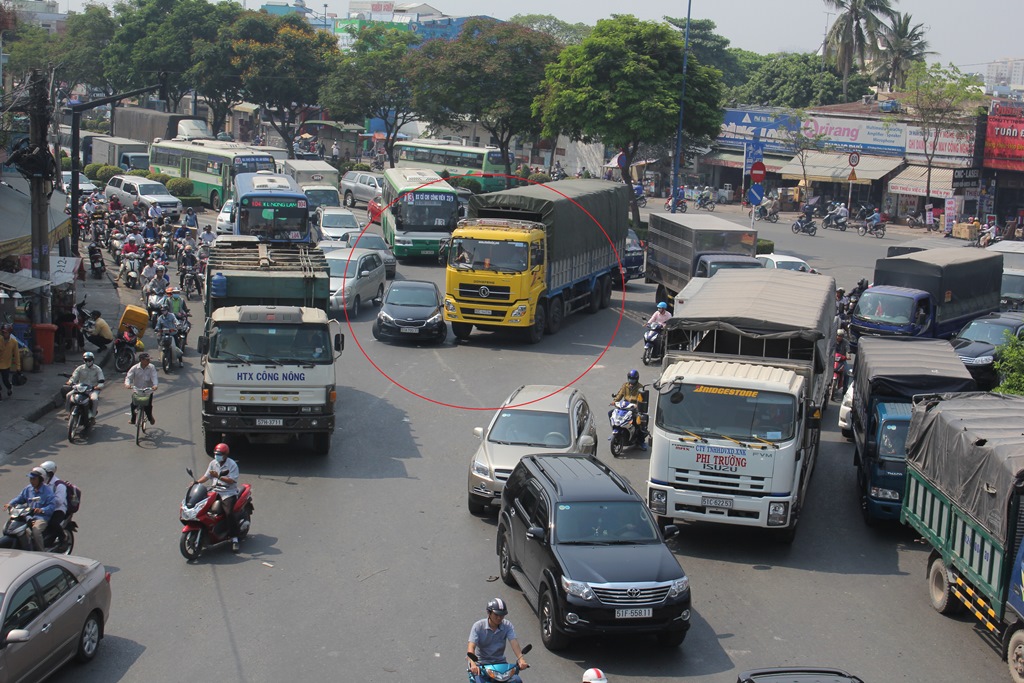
(10, 357)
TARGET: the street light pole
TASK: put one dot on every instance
(325, 16)
(682, 104)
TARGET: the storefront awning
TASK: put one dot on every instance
(614, 163)
(246, 108)
(834, 167)
(21, 283)
(735, 160)
(913, 180)
(343, 127)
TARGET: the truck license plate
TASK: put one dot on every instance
(483, 311)
(409, 330)
(269, 422)
(635, 613)
(707, 502)
(428, 252)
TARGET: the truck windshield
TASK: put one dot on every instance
(1013, 286)
(322, 198)
(885, 308)
(893, 440)
(599, 523)
(737, 413)
(256, 343)
(471, 253)
(426, 212)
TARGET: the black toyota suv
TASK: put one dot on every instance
(584, 549)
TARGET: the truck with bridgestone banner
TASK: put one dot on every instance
(527, 258)
(965, 484)
(739, 403)
(268, 347)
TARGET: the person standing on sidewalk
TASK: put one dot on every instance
(10, 357)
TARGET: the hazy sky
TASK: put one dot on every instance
(969, 34)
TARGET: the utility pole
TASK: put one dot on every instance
(39, 180)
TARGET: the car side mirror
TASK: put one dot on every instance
(587, 441)
(17, 635)
(536, 533)
(364, 273)
(203, 345)
(478, 432)
(339, 342)
(669, 531)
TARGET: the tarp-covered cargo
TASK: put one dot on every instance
(564, 207)
(956, 278)
(889, 367)
(676, 242)
(971, 448)
(922, 244)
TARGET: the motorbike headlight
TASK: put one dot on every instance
(188, 513)
(679, 586)
(577, 588)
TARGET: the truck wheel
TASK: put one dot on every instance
(322, 443)
(350, 201)
(595, 297)
(1015, 656)
(536, 331)
(606, 291)
(462, 330)
(215, 201)
(556, 314)
(940, 592)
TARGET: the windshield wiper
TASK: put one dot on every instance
(765, 441)
(296, 361)
(696, 437)
(233, 355)
(594, 542)
(256, 355)
(727, 438)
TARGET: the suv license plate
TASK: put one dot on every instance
(716, 502)
(269, 422)
(636, 613)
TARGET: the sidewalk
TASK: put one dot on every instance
(42, 392)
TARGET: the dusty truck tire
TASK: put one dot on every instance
(556, 315)
(1015, 656)
(940, 592)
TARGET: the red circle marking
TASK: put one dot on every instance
(618, 323)
(757, 171)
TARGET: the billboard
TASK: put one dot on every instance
(951, 148)
(841, 134)
(747, 125)
(1004, 143)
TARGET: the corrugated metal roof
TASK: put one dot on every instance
(834, 167)
(734, 374)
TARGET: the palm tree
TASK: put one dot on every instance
(855, 32)
(900, 44)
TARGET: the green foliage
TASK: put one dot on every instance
(562, 31)
(539, 178)
(90, 170)
(105, 173)
(29, 47)
(139, 172)
(161, 178)
(471, 184)
(765, 246)
(797, 81)
(1010, 366)
(854, 33)
(86, 34)
(65, 163)
(211, 72)
(900, 45)
(194, 202)
(359, 166)
(180, 187)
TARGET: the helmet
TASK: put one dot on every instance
(169, 290)
(840, 333)
(221, 448)
(498, 606)
(88, 357)
(840, 291)
(633, 376)
(876, 208)
(38, 472)
(662, 306)
(50, 467)
(94, 314)
(863, 282)
(161, 268)
(176, 290)
(842, 204)
(594, 676)
(165, 308)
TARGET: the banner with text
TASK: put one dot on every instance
(952, 147)
(1004, 143)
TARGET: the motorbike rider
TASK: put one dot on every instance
(191, 220)
(224, 471)
(39, 492)
(60, 498)
(155, 214)
(181, 232)
(130, 246)
(173, 300)
(594, 675)
(101, 334)
(660, 315)
(808, 213)
(859, 290)
(168, 321)
(208, 236)
(630, 391)
(638, 189)
(188, 260)
(705, 195)
(148, 271)
(842, 214)
(987, 234)
(873, 220)
(150, 232)
(142, 375)
(487, 639)
(92, 374)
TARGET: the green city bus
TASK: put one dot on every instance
(420, 211)
(211, 165)
(442, 155)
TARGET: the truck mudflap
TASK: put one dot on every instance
(268, 424)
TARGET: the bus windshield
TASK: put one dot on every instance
(251, 164)
(426, 212)
(274, 218)
(741, 414)
(477, 254)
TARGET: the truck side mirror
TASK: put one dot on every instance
(339, 342)
(814, 420)
(203, 345)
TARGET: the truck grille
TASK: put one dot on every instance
(485, 292)
(626, 594)
(277, 409)
(705, 482)
(472, 312)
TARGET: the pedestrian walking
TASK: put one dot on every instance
(335, 151)
(10, 357)
(321, 150)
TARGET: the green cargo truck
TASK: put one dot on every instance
(965, 481)
(268, 347)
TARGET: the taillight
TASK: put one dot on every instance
(106, 577)
(206, 394)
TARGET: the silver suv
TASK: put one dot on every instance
(526, 424)
(130, 189)
(360, 186)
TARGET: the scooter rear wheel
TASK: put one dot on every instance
(190, 544)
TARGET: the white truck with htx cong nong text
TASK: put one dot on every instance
(739, 402)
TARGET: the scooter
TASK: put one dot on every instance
(680, 205)
(654, 343)
(629, 425)
(96, 265)
(133, 266)
(761, 212)
(707, 204)
(204, 523)
(833, 220)
(169, 351)
(184, 327)
(499, 673)
(838, 376)
(17, 533)
(125, 345)
(191, 283)
(81, 411)
(876, 229)
(805, 225)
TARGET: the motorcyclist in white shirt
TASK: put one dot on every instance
(92, 374)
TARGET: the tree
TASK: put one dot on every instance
(212, 72)
(940, 100)
(86, 35)
(794, 130)
(1010, 366)
(854, 33)
(622, 86)
(372, 81)
(491, 74)
(900, 45)
(796, 81)
(31, 48)
(564, 32)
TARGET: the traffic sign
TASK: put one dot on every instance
(852, 176)
(854, 158)
(757, 171)
(755, 194)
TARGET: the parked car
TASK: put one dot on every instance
(84, 184)
(371, 240)
(411, 310)
(357, 277)
(534, 418)
(798, 674)
(785, 262)
(360, 186)
(224, 225)
(130, 189)
(978, 344)
(55, 609)
(374, 208)
(584, 548)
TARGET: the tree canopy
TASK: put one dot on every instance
(562, 31)
(797, 81)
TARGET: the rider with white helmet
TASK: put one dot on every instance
(594, 675)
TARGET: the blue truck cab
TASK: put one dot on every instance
(633, 259)
(885, 474)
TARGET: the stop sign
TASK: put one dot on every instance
(757, 171)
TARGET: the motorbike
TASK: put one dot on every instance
(81, 411)
(134, 265)
(876, 229)
(499, 673)
(838, 376)
(654, 343)
(864, 211)
(125, 345)
(834, 220)
(914, 219)
(191, 283)
(805, 225)
(707, 204)
(17, 533)
(681, 205)
(629, 425)
(96, 265)
(153, 303)
(761, 213)
(169, 351)
(205, 523)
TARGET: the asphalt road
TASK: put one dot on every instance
(366, 566)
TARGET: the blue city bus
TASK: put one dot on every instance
(270, 206)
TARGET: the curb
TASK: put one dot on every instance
(37, 413)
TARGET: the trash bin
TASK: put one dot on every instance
(45, 335)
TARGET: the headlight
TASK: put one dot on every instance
(404, 241)
(777, 513)
(434, 319)
(480, 469)
(190, 513)
(658, 501)
(449, 305)
(679, 586)
(519, 311)
(577, 588)
(385, 318)
(984, 360)
(884, 494)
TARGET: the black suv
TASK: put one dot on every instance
(978, 344)
(585, 550)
